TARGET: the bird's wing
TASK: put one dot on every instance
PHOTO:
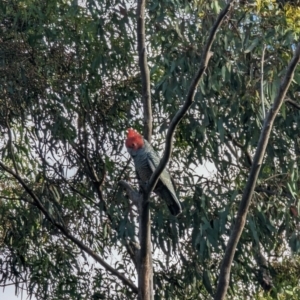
(165, 188)
(153, 161)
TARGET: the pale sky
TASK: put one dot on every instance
(9, 294)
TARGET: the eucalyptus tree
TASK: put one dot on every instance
(70, 86)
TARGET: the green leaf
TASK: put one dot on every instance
(252, 46)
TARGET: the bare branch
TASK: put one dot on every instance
(145, 269)
(274, 192)
(205, 57)
(76, 190)
(66, 232)
(146, 92)
(292, 102)
(254, 172)
(13, 283)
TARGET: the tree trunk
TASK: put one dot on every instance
(145, 269)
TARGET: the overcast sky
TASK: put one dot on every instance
(9, 294)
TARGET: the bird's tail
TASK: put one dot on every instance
(170, 199)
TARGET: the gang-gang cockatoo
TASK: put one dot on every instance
(146, 161)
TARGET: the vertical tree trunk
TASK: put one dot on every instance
(145, 270)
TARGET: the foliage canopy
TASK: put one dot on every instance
(69, 88)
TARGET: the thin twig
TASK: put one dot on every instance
(276, 175)
(75, 190)
(13, 283)
(251, 182)
(274, 193)
(292, 102)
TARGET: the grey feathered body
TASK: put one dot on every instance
(146, 161)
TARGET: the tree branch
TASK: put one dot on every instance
(66, 232)
(145, 271)
(145, 75)
(13, 283)
(254, 172)
(292, 102)
(205, 57)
